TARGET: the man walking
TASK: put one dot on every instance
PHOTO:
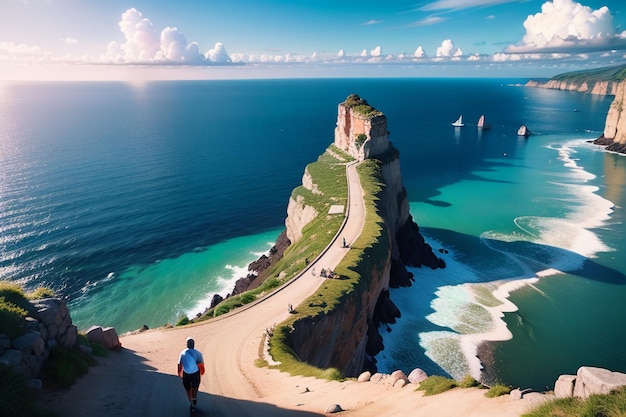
(190, 367)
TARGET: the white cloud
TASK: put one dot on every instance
(14, 51)
(419, 52)
(145, 45)
(218, 54)
(564, 25)
(376, 52)
(447, 49)
(372, 22)
(431, 20)
(69, 41)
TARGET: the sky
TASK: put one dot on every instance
(209, 39)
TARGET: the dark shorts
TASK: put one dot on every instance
(191, 380)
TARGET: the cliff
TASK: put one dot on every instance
(600, 81)
(614, 136)
(343, 334)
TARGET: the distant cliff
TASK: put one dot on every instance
(345, 335)
(601, 81)
(614, 136)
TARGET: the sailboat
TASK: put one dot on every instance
(459, 122)
(481, 123)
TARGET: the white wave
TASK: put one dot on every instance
(473, 312)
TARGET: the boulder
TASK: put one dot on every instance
(417, 375)
(364, 376)
(397, 376)
(5, 343)
(590, 380)
(334, 408)
(106, 337)
(11, 358)
(564, 386)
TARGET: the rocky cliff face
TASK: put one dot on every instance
(602, 88)
(347, 338)
(614, 136)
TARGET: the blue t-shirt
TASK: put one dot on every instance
(190, 358)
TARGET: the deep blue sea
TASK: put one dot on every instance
(138, 202)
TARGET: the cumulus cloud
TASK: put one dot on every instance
(376, 52)
(218, 54)
(419, 53)
(447, 49)
(565, 25)
(145, 45)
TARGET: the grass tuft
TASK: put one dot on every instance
(436, 385)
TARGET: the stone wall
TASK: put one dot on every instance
(49, 326)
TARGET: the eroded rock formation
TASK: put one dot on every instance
(614, 136)
(348, 337)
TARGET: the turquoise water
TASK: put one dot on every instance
(138, 203)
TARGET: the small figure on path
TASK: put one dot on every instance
(345, 245)
(190, 368)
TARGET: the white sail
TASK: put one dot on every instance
(459, 122)
(481, 121)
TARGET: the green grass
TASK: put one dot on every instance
(366, 257)
(615, 73)
(436, 385)
(65, 366)
(329, 175)
(611, 405)
(15, 306)
(497, 391)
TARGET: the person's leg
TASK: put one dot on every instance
(195, 386)
(187, 384)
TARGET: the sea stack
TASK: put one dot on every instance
(346, 337)
(614, 136)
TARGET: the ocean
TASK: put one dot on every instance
(138, 202)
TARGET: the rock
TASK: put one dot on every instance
(364, 377)
(95, 334)
(11, 358)
(377, 378)
(590, 380)
(106, 337)
(35, 384)
(334, 408)
(564, 386)
(25, 343)
(5, 343)
(111, 339)
(400, 383)
(516, 394)
(417, 375)
(614, 135)
(398, 376)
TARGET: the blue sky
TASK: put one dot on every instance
(155, 39)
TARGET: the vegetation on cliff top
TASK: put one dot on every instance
(615, 74)
(15, 306)
(329, 173)
(361, 106)
(368, 254)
